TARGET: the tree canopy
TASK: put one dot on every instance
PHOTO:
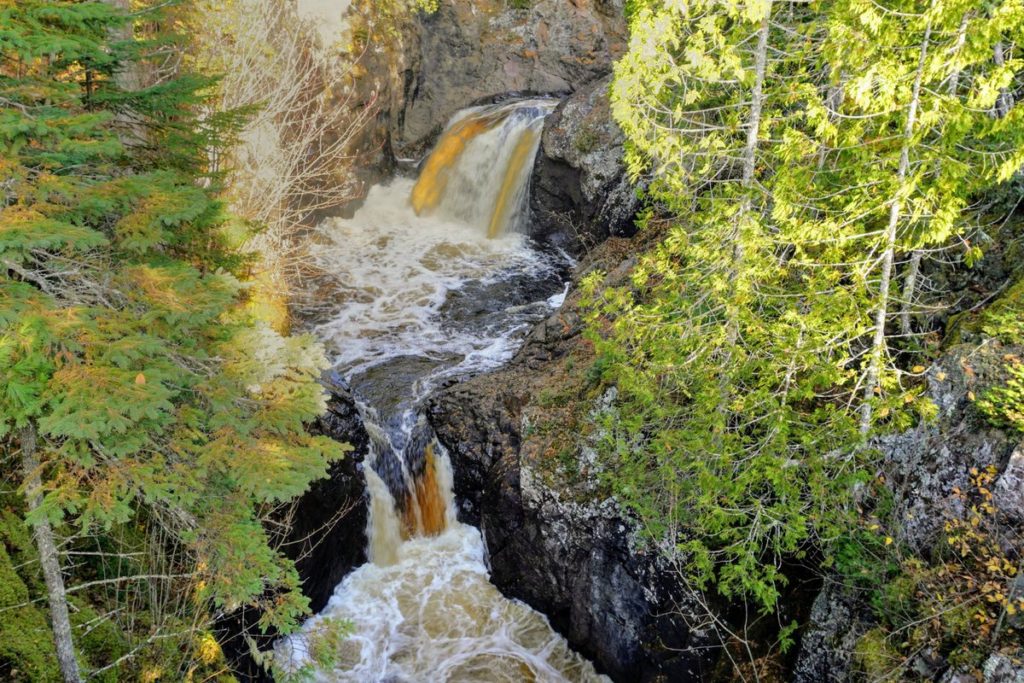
(137, 388)
(803, 159)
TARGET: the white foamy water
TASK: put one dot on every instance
(392, 272)
(404, 301)
(434, 616)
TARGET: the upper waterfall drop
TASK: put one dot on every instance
(479, 171)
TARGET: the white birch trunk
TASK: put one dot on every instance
(914, 269)
(749, 159)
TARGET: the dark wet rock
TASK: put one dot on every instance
(472, 50)
(581, 193)
(827, 645)
(386, 386)
(480, 304)
(573, 557)
(567, 550)
(328, 532)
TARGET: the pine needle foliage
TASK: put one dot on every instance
(125, 345)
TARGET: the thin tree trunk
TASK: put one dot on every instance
(1005, 102)
(129, 78)
(732, 322)
(732, 329)
(749, 161)
(909, 290)
(49, 560)
(889, 257)
(756, 99)
(914, 269)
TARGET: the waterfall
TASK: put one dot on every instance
(480, 169)
(409, 482)
(430, 281)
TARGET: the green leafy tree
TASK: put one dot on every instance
(801, 154)
(135, 385)
(727, 381)
(890, 155)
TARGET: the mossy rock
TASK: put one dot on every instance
(26, 650)
(1003, 319)
(876, 658)
(13, 590)
(15, 532)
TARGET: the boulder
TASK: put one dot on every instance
(828, 641)
(581, 193)
(927, 463)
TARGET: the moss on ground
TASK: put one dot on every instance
(26, 650)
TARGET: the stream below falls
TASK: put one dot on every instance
(432, 280)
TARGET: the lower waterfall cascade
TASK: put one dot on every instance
(428, 282)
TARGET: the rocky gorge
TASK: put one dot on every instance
(524, 461)
(512, 341)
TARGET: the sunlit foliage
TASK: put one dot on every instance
(126, 352)
(802, 158)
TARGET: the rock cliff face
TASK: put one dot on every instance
(471, 51)
(925, 466)
(581, 194)
(554, 542)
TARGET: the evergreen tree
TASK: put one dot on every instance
(800, 153)
(135, 385)
(715, 355)
(890, 156)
